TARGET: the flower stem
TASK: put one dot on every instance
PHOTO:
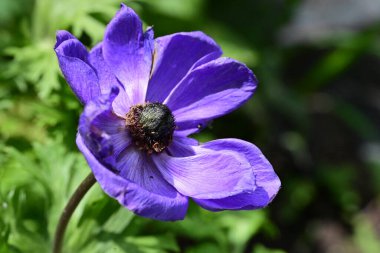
(69, 209)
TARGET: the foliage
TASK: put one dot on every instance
(315, 115)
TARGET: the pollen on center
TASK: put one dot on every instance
(151, 126)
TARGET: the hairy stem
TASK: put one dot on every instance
(69, 209)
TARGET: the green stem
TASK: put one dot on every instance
(69, 209)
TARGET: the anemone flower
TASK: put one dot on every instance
(143, 97)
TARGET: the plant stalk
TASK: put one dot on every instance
(69, 209)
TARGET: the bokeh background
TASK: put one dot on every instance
(315, 115)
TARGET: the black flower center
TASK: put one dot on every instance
(151, 126)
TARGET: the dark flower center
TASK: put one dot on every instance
(151, 126)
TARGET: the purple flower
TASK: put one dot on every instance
(143, 97)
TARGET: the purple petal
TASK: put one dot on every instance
(128, 52)
(209, 91)
(122, 104)
(207, 174)
(182, 146)
(175, 55)
(107, 79)
(62, 36)
(267, 182)
(189, 127)
(138, 167)
(73, 60)
(243, 201)
(169, 205)
(103, 132)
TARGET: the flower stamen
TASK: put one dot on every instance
(151, 126)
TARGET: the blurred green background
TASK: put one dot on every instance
(315, 115)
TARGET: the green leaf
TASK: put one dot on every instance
(160, 242)
(262, 249)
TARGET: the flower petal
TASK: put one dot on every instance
(182, 146)
(62, 36)
(267, 182)
(168, 206)
(138, 167)
(243, 201)
(207, 174)
(104, 132)
(175, 55)
(210, 90)
(73, 60)
(122, 104)
(107, 79)
(128, 51)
